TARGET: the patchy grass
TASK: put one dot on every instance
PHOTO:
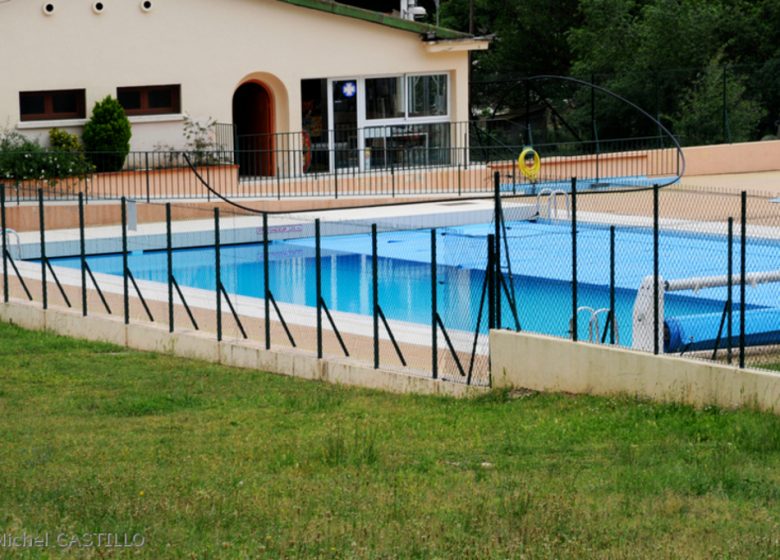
(212, 462)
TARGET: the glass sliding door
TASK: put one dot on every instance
(315, 143)
(344, 133)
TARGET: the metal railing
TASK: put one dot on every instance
(396, 161)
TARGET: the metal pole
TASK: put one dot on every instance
(169, 250)
(146, 161)
(489, 271)
(593, 112)
(218, 270)
(42, 224)
(730, 295)
(434, 309)
(656, 307)
(612, 284)
(375, 293)
(574, 329)
(5, 244)
(726, 135)
(742, 273)
(83, 254)
(497, 250)
(266, 288)
(318, 269)
(528, 139)
(125, 286)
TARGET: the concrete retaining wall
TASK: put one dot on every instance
(544, 363)
(235, 353)
(745, 157)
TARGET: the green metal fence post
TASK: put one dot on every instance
(574, 304)
(656, 273)
(266, 288)
(375, 293)
(318, 279)
(125, 285)
(742, 279)
(5, 243)
(218, 270)
(83, 256)
(42, 225)
(434, 309)
(169, 262)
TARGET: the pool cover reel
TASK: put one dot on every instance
(700, 332)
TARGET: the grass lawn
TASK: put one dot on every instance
(212, 462)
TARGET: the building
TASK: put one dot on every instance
(347, 77)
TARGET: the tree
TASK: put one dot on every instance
(702, 119)
(526, 42)
(106, 135)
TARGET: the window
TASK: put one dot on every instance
(150, 100)
(385, 98)
(407, 97)
(52, 105)
(427, 95)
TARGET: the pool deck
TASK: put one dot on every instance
(758, 182)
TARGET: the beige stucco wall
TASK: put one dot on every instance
(206, 46)
(745, 157)
(544, 363)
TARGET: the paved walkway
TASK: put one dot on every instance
(763, 182)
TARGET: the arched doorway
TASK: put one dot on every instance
(253, 117)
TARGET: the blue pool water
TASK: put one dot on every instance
(585, 184)
(540, 254)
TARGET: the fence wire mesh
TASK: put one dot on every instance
(670, 275)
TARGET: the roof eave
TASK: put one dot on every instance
(457, 45)
(423, 29)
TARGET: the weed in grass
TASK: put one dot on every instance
(360, 449)
(514, 504)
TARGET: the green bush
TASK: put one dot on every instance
(107, 135)
(63, 141)
(66, 157)
(22, 159)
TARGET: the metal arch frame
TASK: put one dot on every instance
(578, 81)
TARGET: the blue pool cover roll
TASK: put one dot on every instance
(700, 332)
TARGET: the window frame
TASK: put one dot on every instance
(144, 91)
(407, 119)
(48, 100)
(409, 96)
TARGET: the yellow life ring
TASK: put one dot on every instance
(531, 172)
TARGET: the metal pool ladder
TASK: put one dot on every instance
(552, 202)
(13, 233)
(594, 328)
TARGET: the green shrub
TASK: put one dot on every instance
(107, 135)
(67, 158)
(63, 141)
(22, 159)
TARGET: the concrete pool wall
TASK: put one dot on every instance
(543, 363)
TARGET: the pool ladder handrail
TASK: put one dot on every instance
(15, 234)
(594, 328)
(595, 318)
(552, 202)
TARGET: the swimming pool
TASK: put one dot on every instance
(540, 253)
(589, 184)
